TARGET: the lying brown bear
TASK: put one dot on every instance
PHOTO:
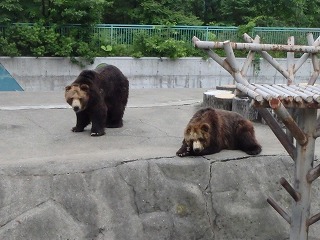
(211, 130)
(99, 97)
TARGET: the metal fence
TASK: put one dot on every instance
(126, 34)
(114, 34)
(276, 35)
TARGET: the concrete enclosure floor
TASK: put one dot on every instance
(128, 184)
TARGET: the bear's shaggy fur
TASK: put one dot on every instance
(211, 130)
(99, 97)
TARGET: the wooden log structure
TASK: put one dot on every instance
(296, 106)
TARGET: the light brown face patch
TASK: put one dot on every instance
(197, 136)
(77, 96)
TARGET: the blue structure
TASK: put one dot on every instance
(7, 82)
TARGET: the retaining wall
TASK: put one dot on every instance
(53, 74)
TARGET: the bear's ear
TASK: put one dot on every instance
(67, 88)
(84, 87)
(188, 130)
(205, 127)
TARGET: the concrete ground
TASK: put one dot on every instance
(35, 128)
(87, 187)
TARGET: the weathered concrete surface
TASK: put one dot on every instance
(54, 73)
(128, 184)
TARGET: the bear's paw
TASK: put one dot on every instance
(76, 129)
(183, 152)
(97, 134)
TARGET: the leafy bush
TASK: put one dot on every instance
(158, 46)
(36, 40)
(66, 47)
(82, 46)
(8, 49)
(119, 50)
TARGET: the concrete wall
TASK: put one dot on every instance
(53, 74)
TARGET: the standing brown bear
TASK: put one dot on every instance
(99, 97)
(211, 130)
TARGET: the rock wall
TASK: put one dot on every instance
(149, 199)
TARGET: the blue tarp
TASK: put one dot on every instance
(7, 82)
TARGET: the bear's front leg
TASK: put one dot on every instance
(83, 120)
(97, 130)
(184, 151)
(98, 125)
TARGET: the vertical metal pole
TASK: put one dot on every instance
(111, 35)
(304, 163)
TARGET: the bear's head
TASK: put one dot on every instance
(197, 136)
(77, 96)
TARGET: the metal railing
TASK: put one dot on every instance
(125, 34)
(114, 34)
(277, 35)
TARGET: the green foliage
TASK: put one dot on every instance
(163, 12)
(235, 12)
(107, 48)
(85, 51)
(8, 49)
(164, 44)
(158, 46)
(246, 28)
(7, 8)
(158, 12)
(266, 21)
(46, 38)
(86, 12)
(66, 46)
(36, 40)
(118, 50)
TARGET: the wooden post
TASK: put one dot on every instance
(303, 164)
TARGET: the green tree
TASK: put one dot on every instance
(282, 13)
(235, 12)
(162, 12)
(312, 13)
(84, 12)
(278, 13)
(12, 11)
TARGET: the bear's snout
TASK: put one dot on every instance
(196, 150)
(76, 105)
(76, 108)
(197, 146)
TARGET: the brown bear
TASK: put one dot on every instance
(211, 130)
(99, 97)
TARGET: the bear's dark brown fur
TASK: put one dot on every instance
(99, 97)
(211, 130)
